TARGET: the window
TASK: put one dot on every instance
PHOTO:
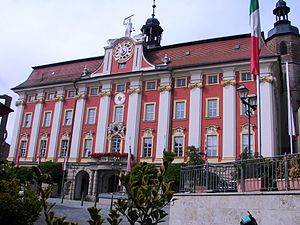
(212, 79)
(181, 82)
(87, 148)
(47, 119)
(245, 76)
(147, 147)
(120, 88)
(64, 148)
(27, 120)
(245, 143)
(23, 146)
(283, 48)
(71, 94)
(116, 144)
(93, 91)
(31, 98)
(68, 117)
(50, 96)
(43, 146)
(91, 116)
(149, 112)
(122, 65)
(118, 114)
(212, 145)
(150, 85)
(178, 145)
(212, 107)
(180, 110)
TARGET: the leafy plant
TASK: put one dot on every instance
(195, 156)
(96, 218)
(114, 217)
(294, 170)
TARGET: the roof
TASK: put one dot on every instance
(204, 52)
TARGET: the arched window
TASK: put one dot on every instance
(116, 143)
(283, 48)
(178, 144)
(23, 145)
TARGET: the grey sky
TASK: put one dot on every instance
(37, 32)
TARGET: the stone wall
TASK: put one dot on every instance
(269, 208)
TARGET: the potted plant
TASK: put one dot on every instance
(293, 174)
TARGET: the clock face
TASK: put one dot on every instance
(120, 99)
(123, 51)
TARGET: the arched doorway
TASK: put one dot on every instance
(113, 183)
(81, 184)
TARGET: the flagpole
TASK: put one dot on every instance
(258, 114)
(289, 107)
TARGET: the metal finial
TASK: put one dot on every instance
(153, 6)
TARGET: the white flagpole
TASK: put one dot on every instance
(289, 107)
(258, 114)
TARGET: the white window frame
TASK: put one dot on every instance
(70, 119)
(118, 145)
(71, 94)
(252, 135)
(31, 98)
(180, 78)
(212, 131)
(43, 147)
(178, 133)
(27, 124)
(115, 112)
(182, 114)
(212, 75)
(23, 149)
(50, 96)
(94, 89)
(47, 121)
(147, 150)
(245, 72)
(63, 148)
(147, 113)
(87, 150)
(117, 85)
(151, 81)
(208, 109)
(212, 150)
(89, 118)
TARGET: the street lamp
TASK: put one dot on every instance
(250, 103)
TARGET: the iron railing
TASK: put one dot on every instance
(280, 173)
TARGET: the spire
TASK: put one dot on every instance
(152, 30)
(282, 24)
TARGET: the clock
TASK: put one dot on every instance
(120, 99)
(123, 51)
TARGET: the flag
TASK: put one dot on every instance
(292, 128)
(205, 150)
(255, 36)
(18, 161)
(129, 160)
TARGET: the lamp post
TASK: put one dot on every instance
(116, 165)
(250, 103)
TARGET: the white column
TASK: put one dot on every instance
(137, 58)
(229, 113)
(34, 135)
(107, 60)
(268, 133)
(133, 116)
(56, 125)
(195, 109)
(77, 126)
(163, 116)
(103, 115)
(16, 131)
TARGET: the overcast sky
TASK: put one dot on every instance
(37, 32)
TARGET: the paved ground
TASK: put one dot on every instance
(73, 211)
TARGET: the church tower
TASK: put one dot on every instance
(284, 40)
(152, 31)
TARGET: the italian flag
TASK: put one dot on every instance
(255, 36)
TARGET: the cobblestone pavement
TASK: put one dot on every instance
(74, 212)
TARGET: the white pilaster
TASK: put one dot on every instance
(163, 116)
(268, 133)
(133, 116)
(107, 60)
(102, 123)
(77, 126)
(16, 131)
(35, 126)
(195, 109)
(56, 124)
(137, 58)
(229, 113)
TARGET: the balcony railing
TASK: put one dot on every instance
(280, 173)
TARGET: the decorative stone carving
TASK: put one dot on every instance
(40, 100)
(66, 135)
(44, 135)
(178, 131)
(114, 129)
(268, 79)
(59, 98)
(148, 132)
(164, 87)
(133, 90)
(193, 85)
(107, 93)
(212, 129)
(20, 102)
(88, 134)
(81, 96)
(231, 82)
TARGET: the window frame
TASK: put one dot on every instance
(84, 155)
(24, 123)
(245, 131)
(180, 78)
(241, 73)
(66, 148)
(119, 143)
(31, 98)
(174, 146)
(88, 116)
(212, 130)
(120, 84)
(71, 95)
(114, 115)
(51, 96)
(207, 107)
(145, 111)
(215, 146)
(94, 88)
(212, 75)
(23, 140)
(45, 147)
(151, 89)
(175, 109)
(71, 118)
(48, 121)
